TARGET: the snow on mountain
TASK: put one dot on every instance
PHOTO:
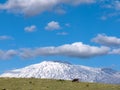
(67, 71)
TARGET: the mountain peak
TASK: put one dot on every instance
(57, 61)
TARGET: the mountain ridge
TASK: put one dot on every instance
(67, 71)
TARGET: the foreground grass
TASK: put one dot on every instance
(46, 84)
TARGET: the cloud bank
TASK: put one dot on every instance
(78, 50)
(33, 7)
(74, 50)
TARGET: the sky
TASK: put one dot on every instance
(84, 32)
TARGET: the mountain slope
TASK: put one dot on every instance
(62, 70)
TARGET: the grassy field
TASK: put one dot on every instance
(45, 84)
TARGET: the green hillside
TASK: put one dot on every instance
(45, 84)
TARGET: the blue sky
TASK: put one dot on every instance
(81, 32)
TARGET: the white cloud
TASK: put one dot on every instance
(30, 28)
(77, 2)
(7, 54)
(117, 5)
(103, 18)
(5, 37)
(112, 8)
(115, 51)
(33, 7)
(67, 25)
(60, 11)
(107, 40)
(114, 4)
(62, 33)
(53, 25)
(78, 49)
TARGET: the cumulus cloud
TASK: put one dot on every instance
(33, 7)
(78, 49)
(30, 28)
(107, 40)
(53, 25)
(5, 37)
(7, 54)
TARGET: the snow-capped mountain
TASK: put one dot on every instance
(67, 71)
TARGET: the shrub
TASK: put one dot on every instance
(75, 80)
